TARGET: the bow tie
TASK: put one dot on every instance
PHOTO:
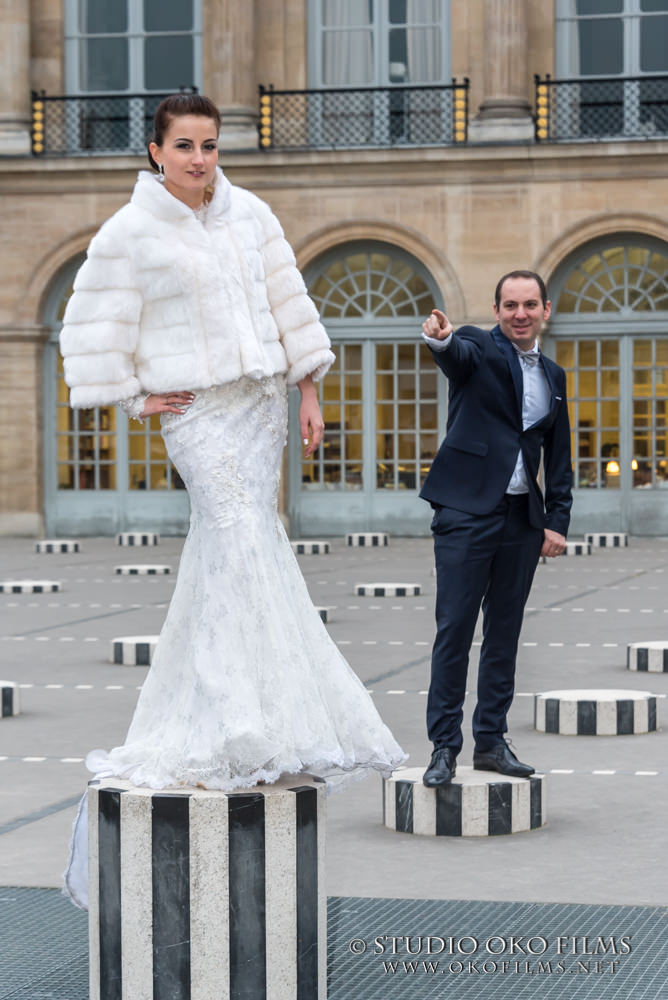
(530, 357)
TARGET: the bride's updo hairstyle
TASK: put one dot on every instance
(176, 106)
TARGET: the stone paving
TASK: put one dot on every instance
(604, 843)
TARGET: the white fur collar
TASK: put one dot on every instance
(153, 197)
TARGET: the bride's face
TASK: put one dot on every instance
(189, 156)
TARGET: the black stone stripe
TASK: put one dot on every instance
(449, 811)
(499, 808)
(109, 874)
(586, 718)
(665, 661)
(551, 715)
(118, 652)
(170, 862)
(7, 701)
(248, 916)
(536, 808)
(307, 892)
(642, 659)
(651, 715)
(625, 717)
(403, 809)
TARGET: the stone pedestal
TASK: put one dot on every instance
(56, 545)
(608, 539)
(133, 650)
(138, 538)
(648, 656)
(368, 539)
(200, 895)
(386, 590)
(595, 713)
(29, 586)
(310, 548)
(145, 569)
(475, 804)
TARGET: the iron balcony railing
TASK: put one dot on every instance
(85, 125)
(601, 109)
(344, 118)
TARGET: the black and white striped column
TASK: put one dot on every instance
(133, 650)
(138, 538)
(202, 895)
(474, 804)
(595, 713)
(386, 590)
(651, 657)
(142, 569)
(367, 539)
(29, 586)
(608, 539)
(310, 548)
(56, 545)
(9, 699)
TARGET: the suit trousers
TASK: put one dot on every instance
(488, 560)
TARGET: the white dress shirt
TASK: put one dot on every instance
(535, 401)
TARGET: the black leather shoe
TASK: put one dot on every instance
(502, 759)
(441, 768)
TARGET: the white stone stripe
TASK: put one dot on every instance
(391, 802)
(280, 822)
(475, 810)
(520, 809)
(136, 894)
(424, 810)
(209, 899)
(93, 894)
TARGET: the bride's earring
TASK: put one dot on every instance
(161, 173)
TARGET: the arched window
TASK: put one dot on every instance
(382, 399)
(102, 472)
(610, 332)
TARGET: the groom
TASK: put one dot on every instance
(507, 410)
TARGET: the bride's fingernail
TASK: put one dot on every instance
(305, 440)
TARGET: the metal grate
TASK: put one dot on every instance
(85, 125)
(601, 109)
(371, 116)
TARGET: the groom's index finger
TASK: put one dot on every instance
(441, 317)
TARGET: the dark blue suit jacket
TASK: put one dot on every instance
(484, 433)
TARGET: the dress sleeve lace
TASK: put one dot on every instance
(134, 406)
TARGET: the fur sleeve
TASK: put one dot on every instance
(303, 336)
(101, 325)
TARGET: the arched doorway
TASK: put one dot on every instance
(102, 472)
(609, 330)
(383, 402)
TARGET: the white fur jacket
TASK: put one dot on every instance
(166, 302)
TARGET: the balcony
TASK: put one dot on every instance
(602, 109)
(370, 117)
(90, 125)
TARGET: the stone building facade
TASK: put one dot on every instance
(566, 177)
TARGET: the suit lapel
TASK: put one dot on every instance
(511, 357)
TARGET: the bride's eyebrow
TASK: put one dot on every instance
(212, 138)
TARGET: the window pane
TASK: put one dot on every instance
(651, 5)
(601, 47)
(421, 12)
(587, 353)
(99, 17)
(347, 58)
(168, 15)
(565, 353)
(653, 44)
(168, 62)
(609, 353)
(343, 13)
(104, 64)
(585, 7)
(642, 352)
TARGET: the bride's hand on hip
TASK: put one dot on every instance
(168, 402)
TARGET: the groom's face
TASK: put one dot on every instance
(521, 313)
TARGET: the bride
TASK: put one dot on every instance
(190, 305)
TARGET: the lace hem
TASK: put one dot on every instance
(134, 406)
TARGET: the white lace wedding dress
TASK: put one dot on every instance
(245, 683)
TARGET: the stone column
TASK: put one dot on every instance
(230, 77)
(505, 113)
(14, 78)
